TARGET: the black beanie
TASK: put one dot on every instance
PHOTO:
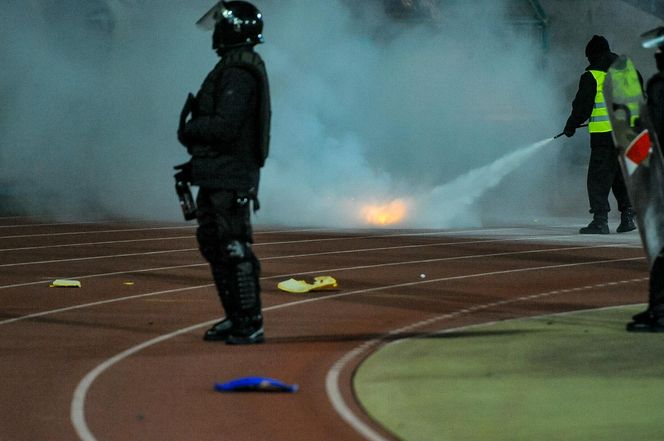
(597, 46)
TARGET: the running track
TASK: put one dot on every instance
(122, 358)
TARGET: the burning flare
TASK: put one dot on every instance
(386, 214)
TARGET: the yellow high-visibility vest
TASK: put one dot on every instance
(627, 89)
(599, 118)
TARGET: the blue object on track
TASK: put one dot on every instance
(255, 384)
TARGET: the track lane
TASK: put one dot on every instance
(312, 335)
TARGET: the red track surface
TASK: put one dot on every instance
(118, 361)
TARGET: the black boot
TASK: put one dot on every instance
(599, 225)
(219, 331)
(626, 221)
(247, 331)
(646, 321)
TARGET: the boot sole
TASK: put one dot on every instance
(257, 337)
(643, 327)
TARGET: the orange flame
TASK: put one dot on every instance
(386, 214)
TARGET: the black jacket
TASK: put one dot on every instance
(222, 135)
(584, 101)
(655, 92)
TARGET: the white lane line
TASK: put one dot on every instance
(16, 285)
(325, 239)
(131, 230)
(119, 299)
(180, 237)
(114, 273)
(107, 242)
(351, 268)
(77, 411)
(282, 257)
(101, 302)
(55, 224)
(333, 387)
(544, 237)
(109, 256)
(74, 233)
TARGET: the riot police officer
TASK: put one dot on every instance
(655, 85)
(226, 131)
(652, 319)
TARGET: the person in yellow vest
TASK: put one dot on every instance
(604, 172)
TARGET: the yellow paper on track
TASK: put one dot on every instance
(65, 283)
(300, 286)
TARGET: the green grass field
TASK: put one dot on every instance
(569, 377)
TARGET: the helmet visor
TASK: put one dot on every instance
(210, 18)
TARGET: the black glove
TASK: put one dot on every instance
(569, 131)
(184, 173)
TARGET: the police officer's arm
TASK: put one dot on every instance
(656, 106)
(583, 103)
(235, 103)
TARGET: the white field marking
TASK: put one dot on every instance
(120, 299)
(16, 285)
(107, 242)
(74, 233)
(164, 238)
(43, 313)
(102, 302)
(332, 378)
(283, 257)
(109, 256)
(114, 273)
(55, 224)
(426, 233)
(131, 230)
(77, 410)
(326, 239)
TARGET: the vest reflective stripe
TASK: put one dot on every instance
(599, 118)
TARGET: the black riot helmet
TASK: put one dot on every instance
(235, 23)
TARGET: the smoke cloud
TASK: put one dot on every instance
(366, 111)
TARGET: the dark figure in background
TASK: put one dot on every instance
(652, 319)
(604, 172)
(228, 137)
(655, 94)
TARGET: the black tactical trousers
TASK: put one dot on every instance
(224, 236)
(604, 175)
(656, 300)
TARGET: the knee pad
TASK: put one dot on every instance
(237, 251)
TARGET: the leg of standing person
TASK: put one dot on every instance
(624, 205)
(225, 238)
(599, 181)
(652, 319)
